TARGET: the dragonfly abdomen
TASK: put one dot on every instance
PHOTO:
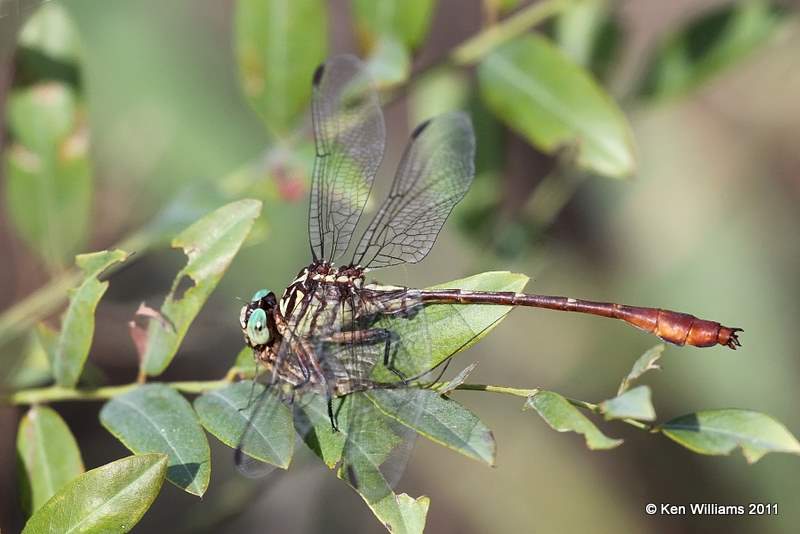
(674, 327)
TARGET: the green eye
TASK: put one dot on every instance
(257, 327)
(260, 294)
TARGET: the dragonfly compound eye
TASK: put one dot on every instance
(257, 330)
(258, 295)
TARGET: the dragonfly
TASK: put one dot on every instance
(331, 332)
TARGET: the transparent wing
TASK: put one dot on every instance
(434, 175)
(350, 139)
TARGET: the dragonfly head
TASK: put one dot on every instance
(254, 318)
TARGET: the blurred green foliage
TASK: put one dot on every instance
(551, 88)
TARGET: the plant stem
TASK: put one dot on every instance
(59, 393)
(476, 48)
(527, 393)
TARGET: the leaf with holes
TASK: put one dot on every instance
(156, 418)
(210, 243)
(111, 498)
(632, 404)
(77, 326)
(49, 456)
(564, 417)
(646, 362)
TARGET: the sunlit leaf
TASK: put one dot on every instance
(210, 243)
(402, 513)
(564, 417)
(439, 419)
(445, 329)
(51, 33)
(708, 45)
(77, 326)
(405, 20)
(278, 45)
(156, 418)
(111, 498)
(48, 178)
(49, 456)
(225, 414)
(554, 103)
(632, 404)
(718, 432)
(646, 362)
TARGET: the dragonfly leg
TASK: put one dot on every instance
(332, 416)
(372, 335)
(388, 361)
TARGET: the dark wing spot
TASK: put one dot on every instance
(418, 130)
(318, 74)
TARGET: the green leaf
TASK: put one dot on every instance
(644, 363)
(312, 423)
(156, 418)
(633, 404)
(370, 442)
(48, 187)
(564, 417)
(402, 514)
(442, 420)
(278, 45)
(718, 432)
(111, 498)
(405, 20)
(539, 92)
(588, 32)
(77, 325)
(245, 363)
(708, 45)
(210, 243)
(389, 64)
(443, 330)
(49, 455)
(51, 32)
(442, 90)
(33, 366)
(225, 414)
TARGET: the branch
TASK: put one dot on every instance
(59, 393)
(527, 393)
(476, 48)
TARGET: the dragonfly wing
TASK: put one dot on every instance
(434, 175)
(350, 138)
(264, 410)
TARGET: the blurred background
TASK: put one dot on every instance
(165, 128)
